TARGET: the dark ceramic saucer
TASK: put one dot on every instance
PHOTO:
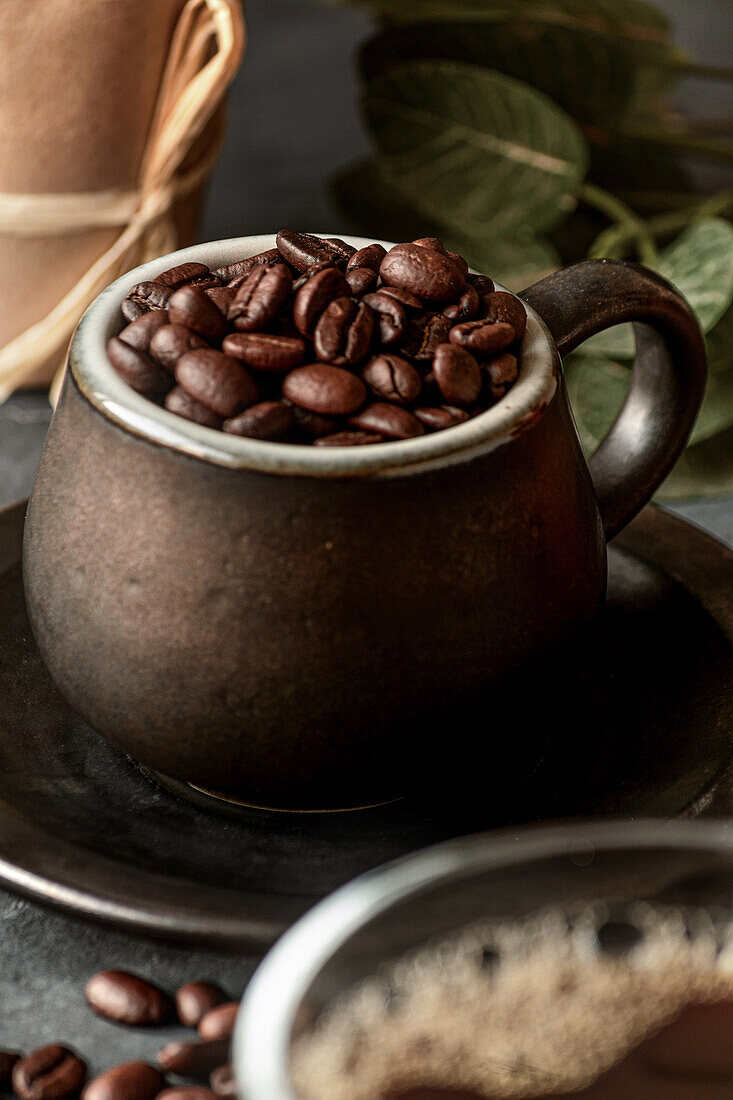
(647, 729)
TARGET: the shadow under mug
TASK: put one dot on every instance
(327, 627)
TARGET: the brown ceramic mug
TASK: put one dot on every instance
(301, 626)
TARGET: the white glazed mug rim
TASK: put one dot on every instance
(111, 396)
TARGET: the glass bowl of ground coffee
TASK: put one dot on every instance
(229, 585)
(590, 960)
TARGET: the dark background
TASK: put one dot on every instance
(293, 119)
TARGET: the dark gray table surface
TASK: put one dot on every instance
(293, 119)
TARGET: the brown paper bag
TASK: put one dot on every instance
(79, 84)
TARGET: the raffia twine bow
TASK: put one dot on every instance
(204, 55)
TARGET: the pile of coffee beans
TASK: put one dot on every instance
(56, 1072)
(317, 342)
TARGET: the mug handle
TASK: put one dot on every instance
(667, 382)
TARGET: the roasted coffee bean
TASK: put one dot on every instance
(221, 383)
(390, 421)
(137, 368)
(8, 1058)
(260, 298)
(457, 375)
(324, 389)
(219, 1022)
(265, 351)
(370, 256)
(348, 439)
(222, 1082)
(343, 251)
(465, 308)
(393, 379)
(431, 242)
(482, 284)
(314, 269)
(502, 307)
(130, 1081)
(182, 404)
(150, 295)
(221, 296)
(438, 418)
(423, 335)
(171, 342)
(131, 309)
(266, 420)
(184, 274)
(459, 262)
(314, 424)
(406, 300)
(482, 337)
(503, 370)
(50, 1073)
(127, 999)
(240, 268)
(314, 294)
(139, 333)
(192, 307)
(361, 280)
(187, 1092)
(195, 999)
(301, 250)
(195, 1059)
(422, 271)
(390, 315)
(344, 332)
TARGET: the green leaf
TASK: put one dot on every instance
(700, 264)
(632, 19)
(703, 471)
(474, 149)
(597, 389)
(595, 78)
(374, 208)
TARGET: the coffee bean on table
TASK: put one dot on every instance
(195, 1059)
(243, 267)
(170, 342)
(301, 250)
(138, 334)
(265, 350)
(194, 999)
(219, 1022)
(260, 298)
(8, 1058)
(315, 293)
(392, 378)
(222, 1081)
(482, 337)
(457, 375)
(266, 420)
(502, 307)
(137, 368)
(424, 272)
(348, 439)
(391, 421)
(438, 418)
(130, 1081)
(221, 383)
(127, 999)
(370, 256)
(190, 306)
(344, 332)
(361, 280)
(182, 404)
(390, 315)
(50, 1073)
(324, 389)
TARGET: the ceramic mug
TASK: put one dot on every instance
(298, 626)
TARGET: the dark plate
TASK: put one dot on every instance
(645, 728)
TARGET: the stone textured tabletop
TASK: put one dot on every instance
(293, 119)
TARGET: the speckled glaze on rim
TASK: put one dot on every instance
(108, 393)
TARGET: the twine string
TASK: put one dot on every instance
(203, 58)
